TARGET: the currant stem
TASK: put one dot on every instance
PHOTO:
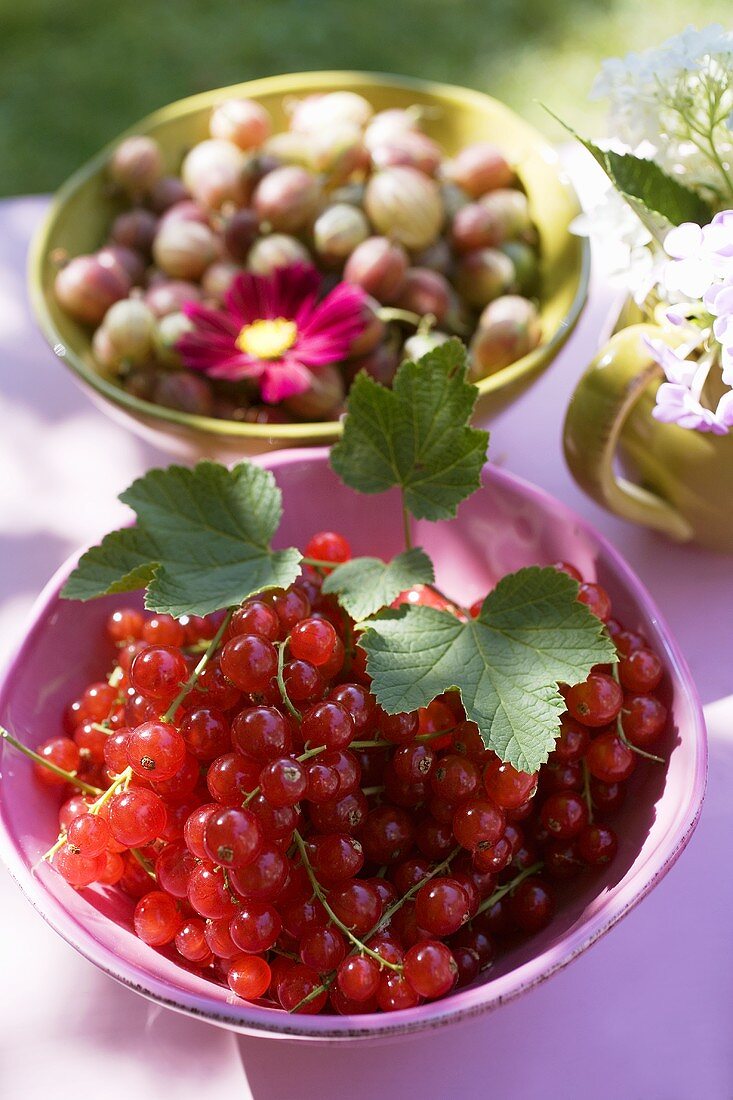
(621, 734)
(319, 563)
(406, 524)
(381, 923)
(70, 777)
(121, 780)
(321, 895)
(144, 863)
(508, 887)
(205, 658)
(281, 682)
(386, 917)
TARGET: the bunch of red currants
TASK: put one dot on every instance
(278, 831)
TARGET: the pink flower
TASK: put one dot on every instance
(274, 330)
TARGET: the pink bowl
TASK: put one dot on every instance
(508, 525)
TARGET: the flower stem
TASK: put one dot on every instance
(70, 777)
(321, 895)
(205, 658)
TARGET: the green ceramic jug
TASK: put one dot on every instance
(676, 481)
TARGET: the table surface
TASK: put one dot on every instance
(646, 1013)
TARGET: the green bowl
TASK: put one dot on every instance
(81, 212)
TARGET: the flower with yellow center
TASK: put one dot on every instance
(267, 339)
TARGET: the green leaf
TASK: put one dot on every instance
(202, 541)
(415, 435)
(660, 200)
(532, 633)
(364, 585)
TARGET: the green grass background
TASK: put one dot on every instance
(73, 73)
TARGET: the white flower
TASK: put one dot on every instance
(624, 244)
(654, 95)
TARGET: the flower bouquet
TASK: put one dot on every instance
(666, 224)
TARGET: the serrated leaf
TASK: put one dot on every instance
(659, 200)
(532, 634)
(202, 541)
(364, 585)
(415, 435)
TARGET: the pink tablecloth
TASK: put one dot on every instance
(647, 1013)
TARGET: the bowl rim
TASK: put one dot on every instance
(313, 430)
(259, 1021)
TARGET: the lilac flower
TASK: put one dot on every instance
(676, 405)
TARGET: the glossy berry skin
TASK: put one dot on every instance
(157, 918)
(262, 732)
(255, 927)
(413, 763)
(155, 750)
(564, 815)
(219, 938)
(357, 905)
(248, 976)
(249, 662)
(478, 822)
(640, 671)
(441, 906)
(125, 625)
(283, 782)
(163, 630)
(173, 868)
(572, 741)
(336, 857)
(136, 816)
(395, 993)
(61, 751)
(207, 893)
(206, 733)
(77, 869)
(328, 546)
(358, 977)
(597, 845)
(231, 777)
(358, 701)
(454, 778)
(430, 969)
(158, 671)
(328, 724)
(264, 877)
(596, 702)
(233, 837)
(596, 600)
(313, 640)
(323, 949)
(255, 617)
(643, 719)
(90, 834)
(388, 834)
(191, 942)
(609, 759)
(532, 905)
(507, 787)
(298, 983)
(398, 729)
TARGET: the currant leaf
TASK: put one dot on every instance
(202, 541)
(531, 634)
(416, 435)
(364, 585)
